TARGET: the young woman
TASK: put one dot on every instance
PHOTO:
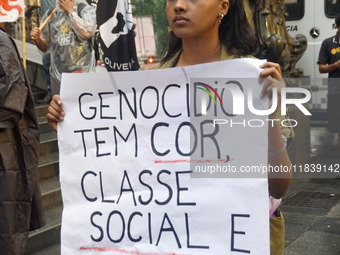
(206, 31)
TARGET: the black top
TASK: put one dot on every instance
(329, 54)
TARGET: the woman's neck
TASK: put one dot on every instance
(199, 52)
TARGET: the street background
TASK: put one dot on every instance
(311, 207)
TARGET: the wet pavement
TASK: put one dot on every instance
(312, 205)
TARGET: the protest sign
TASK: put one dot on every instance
(126, 148)
(11, 10)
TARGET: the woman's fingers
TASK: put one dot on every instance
(272, 69)
(271, 83)
(273, 79)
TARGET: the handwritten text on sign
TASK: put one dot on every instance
(125, 167)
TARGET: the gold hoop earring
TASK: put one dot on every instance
(221, 17)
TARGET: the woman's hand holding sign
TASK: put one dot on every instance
(273, 79)
(277, 153)
(55, 112)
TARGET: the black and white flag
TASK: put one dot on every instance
(116, 35)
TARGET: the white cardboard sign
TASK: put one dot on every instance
(125, 182)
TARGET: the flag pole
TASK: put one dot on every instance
(24, 39)
(47, 19)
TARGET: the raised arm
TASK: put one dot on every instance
(40, 42)
(85, 24)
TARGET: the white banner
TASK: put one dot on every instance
(11, 10)
(125, 167)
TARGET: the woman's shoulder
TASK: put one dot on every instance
(225, 55)
(152, 67)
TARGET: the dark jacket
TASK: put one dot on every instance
(20, 199)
